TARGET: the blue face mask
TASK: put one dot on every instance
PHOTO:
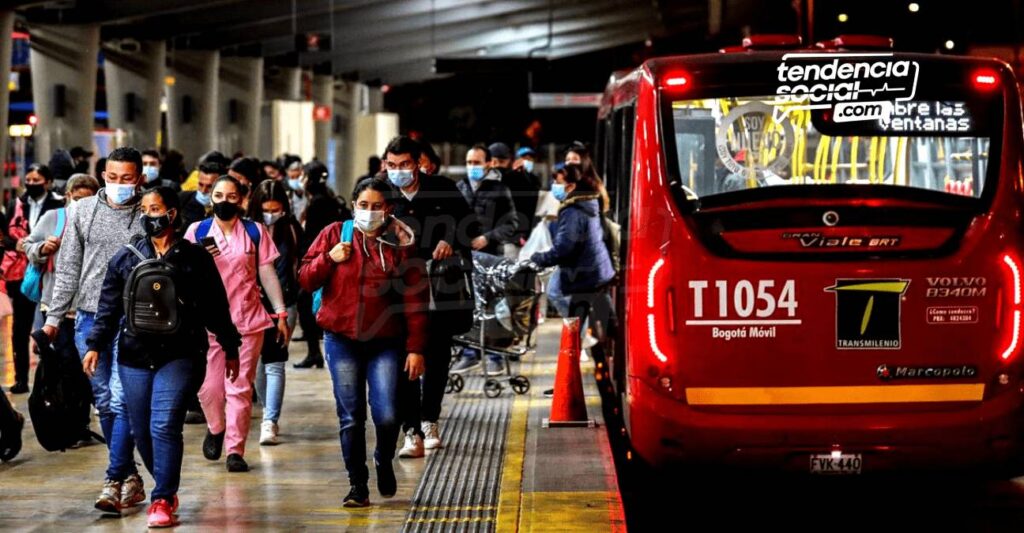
(295, 184)
(151, 173)
(119, 193)
(475, 173)
(203, 199)
(528, 166)
(400, 178)
(558, 191)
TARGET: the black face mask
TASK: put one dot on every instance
(35, 190)
(156, 225)
(225, 210)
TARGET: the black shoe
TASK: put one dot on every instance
(549, 393)
(195, 417)
(213, 445)
(237, 464)
(387, 485)
(19, 388)
(10, 438)
(358, 496)
(299, 338)
(310, 361)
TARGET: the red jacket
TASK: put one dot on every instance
(366, 299)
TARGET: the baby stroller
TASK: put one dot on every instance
(507, 294)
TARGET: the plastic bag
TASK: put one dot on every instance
(539, 241)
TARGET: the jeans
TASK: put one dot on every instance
(270, 382)
(156, 402)
(437, 356)
(109, 400)
(354, 365)
(24, 315)
(556, 297)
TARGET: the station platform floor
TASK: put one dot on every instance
(498, 471)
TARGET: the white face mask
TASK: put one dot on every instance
(119, 193)
(369, 221)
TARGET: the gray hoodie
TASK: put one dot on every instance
(95, 232)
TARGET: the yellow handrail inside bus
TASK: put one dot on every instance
(854, 145)
(837, 145)
(880, 173)
(872, 159)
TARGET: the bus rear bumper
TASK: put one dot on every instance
(664, 431)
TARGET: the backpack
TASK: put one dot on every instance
(346, 236)
(32, 284)
(203, 229)
(60, 400)
(150, 298)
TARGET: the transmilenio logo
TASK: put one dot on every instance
(857, 87)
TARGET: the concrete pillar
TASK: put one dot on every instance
(6, 49)
(343, 112)
(280, 83)
(323, 95)
(192, 109)
(135, 86)
(63, 61)
(368, 131)
(240, 97)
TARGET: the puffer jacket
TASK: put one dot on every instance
(578, 250)
(380, 292)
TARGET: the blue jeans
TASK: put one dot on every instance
(556, 296)
(354, 365)
(156, 401)
(109, 400)
(270, 389)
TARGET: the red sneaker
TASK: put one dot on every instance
(161, 514)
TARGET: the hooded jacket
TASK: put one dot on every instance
(495, 212)
(380, 292)
(578, 250)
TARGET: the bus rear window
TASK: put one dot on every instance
(729, 144)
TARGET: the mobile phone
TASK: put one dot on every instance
(210, 244)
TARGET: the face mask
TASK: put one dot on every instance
(151, 173)
(225, 210)
(400, 178)
(156, 225)
(203, 198)
(368, 221)
(35, 190)
(270, 218)
(119, 193)
(474, 172)
(295, 184)
(528, 166)
(558, 191)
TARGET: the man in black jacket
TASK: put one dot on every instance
(22, 214)
(490, 200)
(196, 205)
(435, 210)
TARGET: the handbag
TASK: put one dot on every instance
(32, 283)
(451, 292)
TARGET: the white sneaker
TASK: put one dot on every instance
(413, 447)
(584, 355)
(431, 435)
(589, 341)
(268, 433)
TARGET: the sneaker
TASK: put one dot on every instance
(236, 463)
(10, 438)
(161, 514)
(549, 393)
(132, 491)
(584, 355)
(213, 445)
(464, 365)
(495, 367)
(387, 485)
(268, 433)
(19, 388)
(110, 498)
(431, 435)
(589, 341)
(358, 496)
(195, 417)
(413, 447)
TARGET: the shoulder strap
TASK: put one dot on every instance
(136, 252)
(92, 219)
(346, 231)
(61, 221)
(203, 229)
(253, 230)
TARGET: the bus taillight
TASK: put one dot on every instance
(652, 330)
(676, 81)
(985, 79)
(1013, 268)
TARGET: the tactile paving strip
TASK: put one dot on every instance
(460, 487)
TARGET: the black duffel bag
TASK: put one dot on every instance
(451, 293)
(60, 400)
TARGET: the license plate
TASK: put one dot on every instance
(847, 463)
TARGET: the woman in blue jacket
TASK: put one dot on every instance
(584, 266)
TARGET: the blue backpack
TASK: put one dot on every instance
(346, 236)
(203, 229)
(32, 283)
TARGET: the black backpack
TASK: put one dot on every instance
(151, 304)
(60, 400)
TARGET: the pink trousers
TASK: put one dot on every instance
(228, 405)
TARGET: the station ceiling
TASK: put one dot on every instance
(395, 41)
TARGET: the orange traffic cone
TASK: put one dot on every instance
(568, 408)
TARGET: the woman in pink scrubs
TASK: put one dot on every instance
(243, 266)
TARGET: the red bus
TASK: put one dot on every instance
(823, 256)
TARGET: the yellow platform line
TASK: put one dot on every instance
(583, 512)
(510, 499)
(971, 392)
